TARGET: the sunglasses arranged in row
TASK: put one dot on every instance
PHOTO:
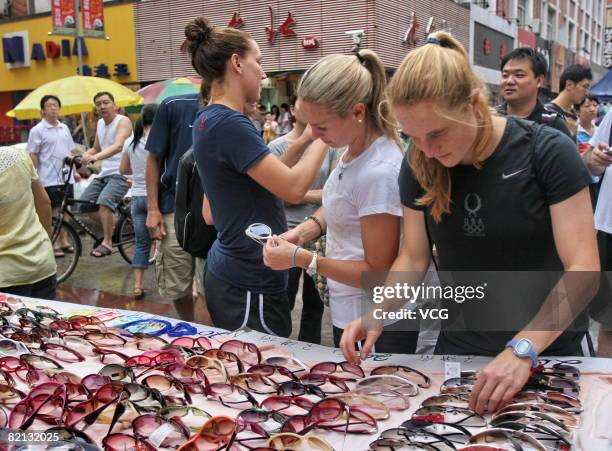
(157, 386)
(540, 418)
(62, 404)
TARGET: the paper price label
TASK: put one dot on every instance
(158, 436)
(452, 370)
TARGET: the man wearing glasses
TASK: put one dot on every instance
(574, 85)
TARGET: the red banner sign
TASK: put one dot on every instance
(93, 19)
(63, 16)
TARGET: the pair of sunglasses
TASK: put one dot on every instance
(259, 232)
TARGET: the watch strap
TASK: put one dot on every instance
(529, 353)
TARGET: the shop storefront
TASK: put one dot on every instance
(35, 57)
(491, 38)
(293, 34)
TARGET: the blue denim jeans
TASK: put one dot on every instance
(143, 241)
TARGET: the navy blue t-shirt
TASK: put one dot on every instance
(170, 137)
(226, 145)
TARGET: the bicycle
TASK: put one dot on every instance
(123, 232)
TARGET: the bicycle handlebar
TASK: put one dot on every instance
(77, 161)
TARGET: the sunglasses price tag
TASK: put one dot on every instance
(452, 370)
(158, 436)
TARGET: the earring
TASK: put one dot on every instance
(360, 120)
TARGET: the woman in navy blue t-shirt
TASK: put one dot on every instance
(243, 181)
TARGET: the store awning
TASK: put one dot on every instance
(603, 88)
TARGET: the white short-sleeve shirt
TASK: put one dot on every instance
(138, 163)
(51, 144)
(364, 186)
(603, 211)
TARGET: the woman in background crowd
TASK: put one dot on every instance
(587, 116)
(274, 110)
(285, 120)
(133, 162)
(270, 129)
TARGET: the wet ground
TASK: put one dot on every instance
(108, 282)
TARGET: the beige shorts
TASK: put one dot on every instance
(174, 267)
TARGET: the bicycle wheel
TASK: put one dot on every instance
(126, 240)
(66, 264)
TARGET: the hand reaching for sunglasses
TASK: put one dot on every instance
(365, 328)
(499, 381)
(277, 253)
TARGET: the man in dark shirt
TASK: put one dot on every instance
(523, 72)
(169, 139)
(574, 85)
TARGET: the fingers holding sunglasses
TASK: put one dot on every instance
(366, 329)
(500, 379)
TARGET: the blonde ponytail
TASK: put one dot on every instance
(339, 82)
(440, 72)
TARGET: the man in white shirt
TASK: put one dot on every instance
(109, 187)
(49, 143)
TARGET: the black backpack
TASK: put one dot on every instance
(192, 233)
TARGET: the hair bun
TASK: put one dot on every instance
(197, 32)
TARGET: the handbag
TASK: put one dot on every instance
(318, 246)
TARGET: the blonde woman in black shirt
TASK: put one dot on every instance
(495, 194)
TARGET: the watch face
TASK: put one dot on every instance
(522, 347)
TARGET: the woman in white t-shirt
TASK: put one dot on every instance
(133, 161)
(342, 97)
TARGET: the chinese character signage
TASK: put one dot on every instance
(490, 46)
(93, 19)
(63, 16)
(411, 33)
(236, 21)
(285, 29)
(607, 54)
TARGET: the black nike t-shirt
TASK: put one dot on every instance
(500, 221)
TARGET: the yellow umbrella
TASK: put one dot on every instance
(76, 94)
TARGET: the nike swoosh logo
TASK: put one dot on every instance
(512, 174)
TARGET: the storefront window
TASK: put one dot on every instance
(551, 24)
(521, 7)
(41, 6)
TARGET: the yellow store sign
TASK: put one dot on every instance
(31, 57)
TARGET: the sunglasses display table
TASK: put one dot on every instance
(594, 432)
